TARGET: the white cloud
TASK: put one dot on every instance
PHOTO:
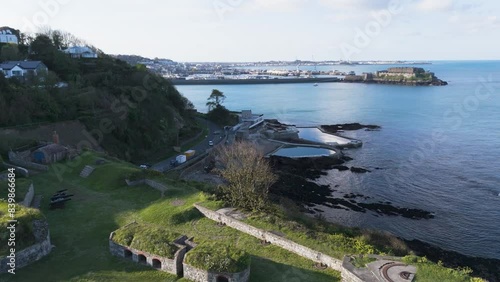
(358, 5)
(274, 5)
(435, 5)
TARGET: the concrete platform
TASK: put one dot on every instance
(392, 271)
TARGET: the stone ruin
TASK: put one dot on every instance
(176, 265)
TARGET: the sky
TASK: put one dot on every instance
(262, 30)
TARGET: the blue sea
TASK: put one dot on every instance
(438, 150)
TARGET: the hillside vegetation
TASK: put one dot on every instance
(129, 111)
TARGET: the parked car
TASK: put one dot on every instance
(210, 143)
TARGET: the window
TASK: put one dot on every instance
(17, 73)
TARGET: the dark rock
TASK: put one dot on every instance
(341, 167)
(359, 170)
(348, 126)
(346, 158)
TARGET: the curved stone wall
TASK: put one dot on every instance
(199, 275)
(173, 266)
(34, 252)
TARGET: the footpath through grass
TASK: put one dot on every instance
(103, 203)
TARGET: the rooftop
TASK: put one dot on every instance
(53, 149)
(27, 65)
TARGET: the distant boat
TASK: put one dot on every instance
(315, 84)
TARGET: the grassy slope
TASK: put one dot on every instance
(102, 203)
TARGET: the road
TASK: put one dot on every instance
(165, 165)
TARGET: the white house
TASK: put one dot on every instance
(23, 68)
(8, 35)
(81, 52)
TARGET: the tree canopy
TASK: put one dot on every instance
(216, 99)
(142, 112)
(248, 174)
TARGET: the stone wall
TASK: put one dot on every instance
(17, 161)
(28, 199)
(135, 183)
(167, 265)
(199, 275)
(273, 239)
(348, 272)
(41, 248)
(151, 183)
(156, 185)
(19, 170)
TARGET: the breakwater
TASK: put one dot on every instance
(253, 81)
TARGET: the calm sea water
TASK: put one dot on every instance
(439, 148)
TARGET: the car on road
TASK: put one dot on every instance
(210, 143)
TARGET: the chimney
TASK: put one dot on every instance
(55, 138)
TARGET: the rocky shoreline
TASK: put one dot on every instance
(486, 268)
(296, 178)
(296, 182)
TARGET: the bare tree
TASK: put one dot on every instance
(247, 173)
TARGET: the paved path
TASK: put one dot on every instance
(165, 165)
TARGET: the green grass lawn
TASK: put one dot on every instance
(103, 203)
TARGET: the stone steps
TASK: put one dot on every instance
(87, 171)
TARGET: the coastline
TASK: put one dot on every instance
(252, 81)
(302, 80)
(301, 173)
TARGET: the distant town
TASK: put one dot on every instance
(171, 69)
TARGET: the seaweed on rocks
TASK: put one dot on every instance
(294, 182)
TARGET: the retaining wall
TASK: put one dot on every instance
(28, 199)
(19, 170)
(151, 183)
(34, 252)
(273, 239)
(167, 265)
(31, 165)
(199, 275)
